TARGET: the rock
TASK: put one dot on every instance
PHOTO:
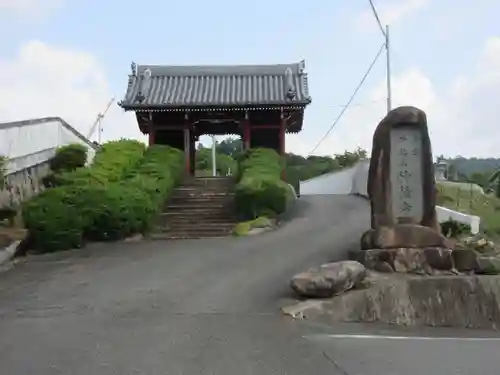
(403, 125)
(439, 258)
(409, 260)
(370, 258)
(464, 260)
(383, 267)
(135, 238)
(408, 236)
(488, 265)
(436, 301)
(329, 279)
(367, 240)
(9, 235)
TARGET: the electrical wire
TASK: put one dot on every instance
(374, 10)
(350, 100)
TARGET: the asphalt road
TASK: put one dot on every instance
(207, 307)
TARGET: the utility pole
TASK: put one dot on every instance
(388, 56)
(214, 166)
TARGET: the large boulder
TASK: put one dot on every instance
(329, 279)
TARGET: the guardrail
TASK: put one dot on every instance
(359, 187)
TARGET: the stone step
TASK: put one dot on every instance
(188, 206)
(185, 236)
(209, 181)
(222, 226)
(200, 210)
(201, 189)
(200, 200)
(195, 219)
(197, 230)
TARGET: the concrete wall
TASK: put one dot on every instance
(330, 183)
(354, 181)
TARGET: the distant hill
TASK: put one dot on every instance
(473, 165)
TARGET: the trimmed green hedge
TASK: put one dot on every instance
(112, 161)
(260, 190)
(68, 216)
(68, 158)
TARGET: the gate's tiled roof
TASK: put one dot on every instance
(202, 87)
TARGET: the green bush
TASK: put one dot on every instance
(116, 159)
(69, 158)
(92, 208)
(52, 221)
(3, 161)
(260, 190)
(112, 162)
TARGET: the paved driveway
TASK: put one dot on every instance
(202, 307)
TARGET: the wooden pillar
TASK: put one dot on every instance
(187, 144)
(192, 156)
(246, 132)
(282, 131)
(152, 130)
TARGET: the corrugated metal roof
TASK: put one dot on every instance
(170, 87)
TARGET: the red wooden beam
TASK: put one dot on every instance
(282, 143)
(246, 132)
(152, 130)
(187, 144)
(266, 126)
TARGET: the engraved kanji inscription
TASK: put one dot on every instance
(406, 173)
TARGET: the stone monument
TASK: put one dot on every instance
(402, 191)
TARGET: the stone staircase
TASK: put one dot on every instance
(200, 208)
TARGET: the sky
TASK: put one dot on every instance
(68, 58)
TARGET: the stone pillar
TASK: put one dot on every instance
(401, 184)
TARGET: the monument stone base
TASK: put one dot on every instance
(403, 235)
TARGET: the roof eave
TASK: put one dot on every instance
(221, 107)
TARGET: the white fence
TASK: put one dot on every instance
(28, 145)
(354, 181)
(359, 187)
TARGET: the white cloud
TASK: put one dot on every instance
(463, 118)
(48, 81)
(390, 12)
(29, 7)
(43, 80)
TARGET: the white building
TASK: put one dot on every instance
(28, 145)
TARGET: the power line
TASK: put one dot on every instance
(350, 100)
(385, 33)
(374, 10)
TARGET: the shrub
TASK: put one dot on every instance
(92, 208)
(112, 162)
(52, 221)
(69, 158)
(3, 161)
(116, 159)
(260, 190)
(452, 228)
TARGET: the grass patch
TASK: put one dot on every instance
(243, 228)
(463, 198)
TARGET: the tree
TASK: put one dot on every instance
(223, 163)
(3, 160)
(494, 181)
(230, 146)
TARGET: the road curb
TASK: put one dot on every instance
(9, 252)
